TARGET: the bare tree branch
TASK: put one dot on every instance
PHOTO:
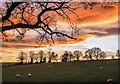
(36, 16)
(9, 10)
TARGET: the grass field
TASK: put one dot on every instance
(63, 72)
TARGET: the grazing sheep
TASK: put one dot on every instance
(29, 75)
(101, 67)
(107, 62)
(110, 80)
(86, 63)
(50, 66)
(18, 75)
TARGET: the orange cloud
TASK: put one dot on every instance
(95, 15)
(5, 51)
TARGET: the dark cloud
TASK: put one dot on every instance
(109, 31)
(5, 46)
(97, 34)
(94, 28)
(19, 46)
(22, 46)
(112, 31)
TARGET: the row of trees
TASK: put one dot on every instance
(96, 53)
(41, 56)
(90, 54)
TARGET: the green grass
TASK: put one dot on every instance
(64, 72)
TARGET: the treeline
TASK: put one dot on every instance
(41, 57)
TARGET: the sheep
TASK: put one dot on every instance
(29, 75)
(101, 67)
(109, 80)
(50, 66)
(18, 75)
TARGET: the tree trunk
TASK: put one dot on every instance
(62, 60)
(97, 56)
(21, 62)
(44, 60)
(70, 59)
(49, 60)
(31, 61)
(65, 59)
(40, 59)
(77, 58)
(90, 57)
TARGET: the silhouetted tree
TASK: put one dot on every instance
(36, 58)
(77, 54)
(49, 55)
(89, 53)
(54, 56)
(86, 56)
(70, 55)
(112, 57)
(62, 57)
(41, 53)
(23, 15)
(44, 60)
(103, 55)
(118, 53)
(21, 56)
(31, 56)
(26, 57)
(96, 52)
(65, 56)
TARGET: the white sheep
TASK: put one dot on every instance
(101, 67)
(18, 75)
(29, 75)
(50, 66)
(110, 80)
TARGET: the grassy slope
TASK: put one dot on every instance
(64, 72)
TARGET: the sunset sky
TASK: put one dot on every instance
(98, 28)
